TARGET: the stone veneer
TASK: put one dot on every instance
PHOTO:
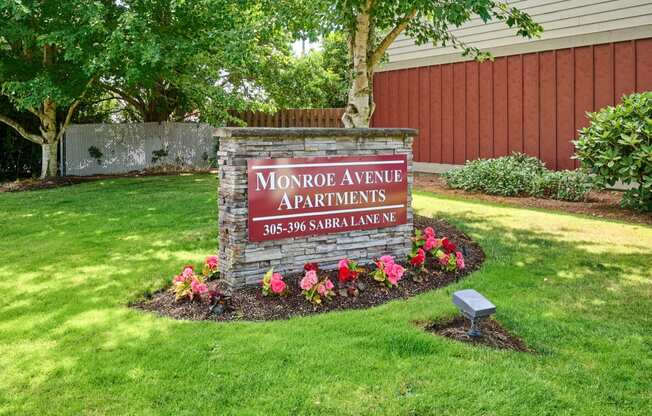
(243, 262)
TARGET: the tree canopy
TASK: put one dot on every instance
(155, 59)
(167, 58)
(318, 79)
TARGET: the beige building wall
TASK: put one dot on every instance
(566, 23)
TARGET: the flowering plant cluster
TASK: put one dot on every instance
(442, 249)
(388, 272)
(273, 284)
(189, 285)
(192, 286)
(449, 258)
(348, 271)
(314, 289)
(211, 267)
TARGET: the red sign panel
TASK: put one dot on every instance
(320, 195)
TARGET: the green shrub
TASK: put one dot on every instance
(567, 185)
(617, 146)
(519, 174)
(506, 176)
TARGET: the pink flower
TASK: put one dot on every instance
(321, 289)
(309, 280)
(444, 259)
(395, 273)
(387, 260)
(277, 276)
(198, 287)
(429, 232)
(431, 242)
(312, 275)
(459, 259)
(278, 286)
(188, 272)
(344, 263)
(178, 279)
(329, 284)
(212, 262)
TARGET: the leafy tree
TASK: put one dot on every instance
(303, 82)
(49, 54)
(337, 60)
(318, 79)
(372, 25)
(168, 58)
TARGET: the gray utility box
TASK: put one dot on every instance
(472, 304)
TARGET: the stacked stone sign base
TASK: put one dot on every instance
(246, 255)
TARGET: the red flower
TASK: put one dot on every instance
(448, 245)
(418, 258)
(353, 275)
(344, 274)
(311, 266)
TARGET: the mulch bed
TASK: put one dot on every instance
(250, 305)
(38, 184)
(493, 334)
(603, 204)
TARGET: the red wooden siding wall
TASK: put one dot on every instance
(532, 103)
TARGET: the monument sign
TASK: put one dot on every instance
(290, 196)
(309, 196)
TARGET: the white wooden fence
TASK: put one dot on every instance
(92, 149)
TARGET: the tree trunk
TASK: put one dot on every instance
(49, 165)
(360, 105)
(50, 140)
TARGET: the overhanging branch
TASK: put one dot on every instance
(72, 109)
(391, 36)
(37, 113)
(66, 122)
(125, 96)
(35, 138)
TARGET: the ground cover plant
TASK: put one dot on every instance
(519, 175)
(576, 290)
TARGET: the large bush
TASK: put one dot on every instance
(519, 174)
(617, 146)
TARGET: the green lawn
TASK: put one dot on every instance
(577, 290)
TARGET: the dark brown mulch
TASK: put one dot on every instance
(603, 204)
(49, 183)
(250, 305)
(493, 334)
